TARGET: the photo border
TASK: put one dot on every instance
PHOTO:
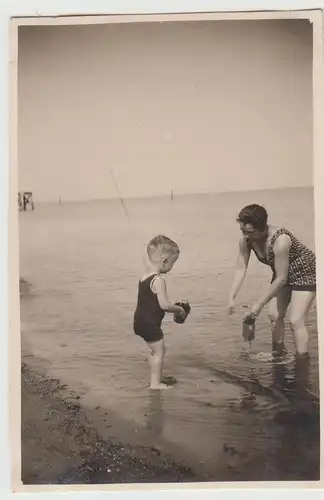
(315, 16)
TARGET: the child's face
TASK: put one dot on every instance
(167, 262)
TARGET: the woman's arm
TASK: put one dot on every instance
(159, 287)
(240, 271)
(281, 262)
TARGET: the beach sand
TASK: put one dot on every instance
(60, 444)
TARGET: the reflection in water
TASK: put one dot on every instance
(299, 426)
(302, 366)
(294, 380)
(280, 375)
(299, 439)
(156, 417)
(248, 401)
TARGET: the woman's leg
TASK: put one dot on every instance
(300, 305)
(277, 311)
(156, 364)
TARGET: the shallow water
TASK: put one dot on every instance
(84, 261)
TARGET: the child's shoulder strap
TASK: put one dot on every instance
(154, 280)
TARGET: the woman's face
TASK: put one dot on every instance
(250, 232)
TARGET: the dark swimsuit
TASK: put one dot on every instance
(148, 315)
(302, 263)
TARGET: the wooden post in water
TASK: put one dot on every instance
(25, 199)
(19, 201)
(171, 195)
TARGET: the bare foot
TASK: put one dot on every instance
(159, 387)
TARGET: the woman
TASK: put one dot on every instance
(294, 275)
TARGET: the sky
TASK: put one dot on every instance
(188, 107)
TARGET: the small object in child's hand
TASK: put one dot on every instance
(186, 307)
(249, 328)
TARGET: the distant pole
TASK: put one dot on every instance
(19, 202)
(119, 193)
(24, 199)
(171, 193)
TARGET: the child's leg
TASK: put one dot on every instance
(156, 364)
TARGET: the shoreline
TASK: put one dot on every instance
(61, 445)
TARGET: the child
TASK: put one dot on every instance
(152, 304)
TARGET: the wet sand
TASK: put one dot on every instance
(60, 444)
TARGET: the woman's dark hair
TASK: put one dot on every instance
(255, 215)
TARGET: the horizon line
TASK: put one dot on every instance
(172, 193)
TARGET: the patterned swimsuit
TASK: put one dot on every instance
(302, 263)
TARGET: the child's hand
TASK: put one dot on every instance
(182, 313)
(183, 309)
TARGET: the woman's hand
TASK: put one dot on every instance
(254, 312)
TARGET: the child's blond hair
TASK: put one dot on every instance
(163, 245)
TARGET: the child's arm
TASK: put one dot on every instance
(159, 287)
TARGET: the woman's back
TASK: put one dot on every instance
(302, 260)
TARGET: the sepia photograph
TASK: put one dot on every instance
(167, 263)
